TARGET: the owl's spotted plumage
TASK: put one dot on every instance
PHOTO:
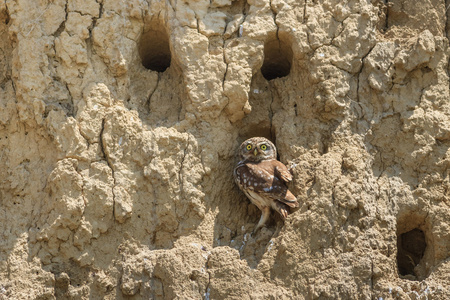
(263, 178)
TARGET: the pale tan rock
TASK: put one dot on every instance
(213, 24)
(90, 7)
(220, 3)
(233, 25)
(116, 159)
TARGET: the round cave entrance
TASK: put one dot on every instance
(154, 50)
(411, 247)
(277, 59)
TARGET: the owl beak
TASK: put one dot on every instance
(255, 152)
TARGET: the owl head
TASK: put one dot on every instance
(257, 149)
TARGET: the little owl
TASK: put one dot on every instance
(263, 178)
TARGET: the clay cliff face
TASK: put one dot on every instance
(120, 121)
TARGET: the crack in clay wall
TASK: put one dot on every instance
(119, 124)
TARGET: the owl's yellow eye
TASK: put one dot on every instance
(249, 147)
(263, 147)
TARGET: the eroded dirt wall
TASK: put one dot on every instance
(120, 121)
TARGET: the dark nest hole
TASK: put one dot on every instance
(411, 247)
(277, 59)
(154, 50)
(254, 131)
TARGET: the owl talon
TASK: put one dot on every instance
(255, 231)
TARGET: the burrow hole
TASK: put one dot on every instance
(259, 129)
(411, 247)
(154, 48)
(277, 59)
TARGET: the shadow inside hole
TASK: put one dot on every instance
(255, 131)
(277, 59)
(154, 50)
(411, 247)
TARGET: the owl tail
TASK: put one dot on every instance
(282, 209)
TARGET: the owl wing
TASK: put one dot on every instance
(282, 171)
(268, 183)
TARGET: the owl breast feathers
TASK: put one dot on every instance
(263, 179)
